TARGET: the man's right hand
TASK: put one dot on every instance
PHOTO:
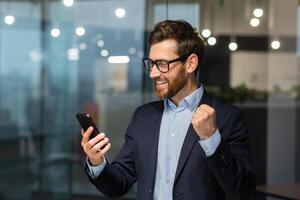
(95, 148)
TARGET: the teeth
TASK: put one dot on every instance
(160, 82)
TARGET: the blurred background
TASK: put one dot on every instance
(60, 57)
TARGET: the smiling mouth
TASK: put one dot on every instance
(158, 83)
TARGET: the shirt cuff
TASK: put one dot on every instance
(95, 171)
(211, 144)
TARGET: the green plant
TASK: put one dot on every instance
(238, 94)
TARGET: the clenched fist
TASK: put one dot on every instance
(204, 121)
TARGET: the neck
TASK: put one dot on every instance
(188, 89)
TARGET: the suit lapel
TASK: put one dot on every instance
(155, 122)
(190, 139)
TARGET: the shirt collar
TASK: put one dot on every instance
(191, 101)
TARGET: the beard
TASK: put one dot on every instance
(171, 87)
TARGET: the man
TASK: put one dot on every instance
(185, 146)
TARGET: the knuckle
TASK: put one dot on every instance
(88, 145)
(85, 136)
(95, 148)
(202, 106)
(200, 119)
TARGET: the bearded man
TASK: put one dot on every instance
(185, 146)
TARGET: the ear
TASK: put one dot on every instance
(192, 63)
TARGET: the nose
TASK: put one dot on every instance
(154, 73)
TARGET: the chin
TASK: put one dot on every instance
(161, 94)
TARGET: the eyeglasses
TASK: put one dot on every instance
(162, 65)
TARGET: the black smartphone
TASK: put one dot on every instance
(86, 121)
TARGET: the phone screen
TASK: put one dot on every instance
(86, 121)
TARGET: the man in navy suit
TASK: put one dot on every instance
(186, 145)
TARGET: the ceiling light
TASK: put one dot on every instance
(132, 50)
(275, 44)
(254, 22)
(55, 32)
(206, 33)
(82, 46)
(100, 43)
(258, 12)
(118, 59)
(104, 53)
(73, 54)
(68, 3)
(9, 19)
(233, 46)
(120, 12)
(80, 31)
(212, 41)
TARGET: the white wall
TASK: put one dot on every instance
(250, 68)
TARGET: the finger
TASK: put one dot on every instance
(199, 116)
(205, 111)
(200, 112)
(95, 140)
(193, 121)
(100, 145)
(195, 115)
(207, 108)
(106, 148)
(86, 135)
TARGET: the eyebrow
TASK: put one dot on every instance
(166, 59)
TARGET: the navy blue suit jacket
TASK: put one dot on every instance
(227, 174)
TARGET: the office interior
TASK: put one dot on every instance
(60, 57)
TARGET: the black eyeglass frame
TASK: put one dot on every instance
(168, 62)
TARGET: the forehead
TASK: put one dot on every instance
(165, 49)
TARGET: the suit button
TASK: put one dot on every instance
(150, 191)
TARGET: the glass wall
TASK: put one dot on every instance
(54, 63)
(58, 58)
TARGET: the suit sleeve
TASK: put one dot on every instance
(231, 163)
(117, 178)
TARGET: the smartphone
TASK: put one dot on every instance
(86, 121)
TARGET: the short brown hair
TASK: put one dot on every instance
(188, 39)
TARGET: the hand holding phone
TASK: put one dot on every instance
(100, 143)
(86, 121)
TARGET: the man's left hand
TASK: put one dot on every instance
(204, 121)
